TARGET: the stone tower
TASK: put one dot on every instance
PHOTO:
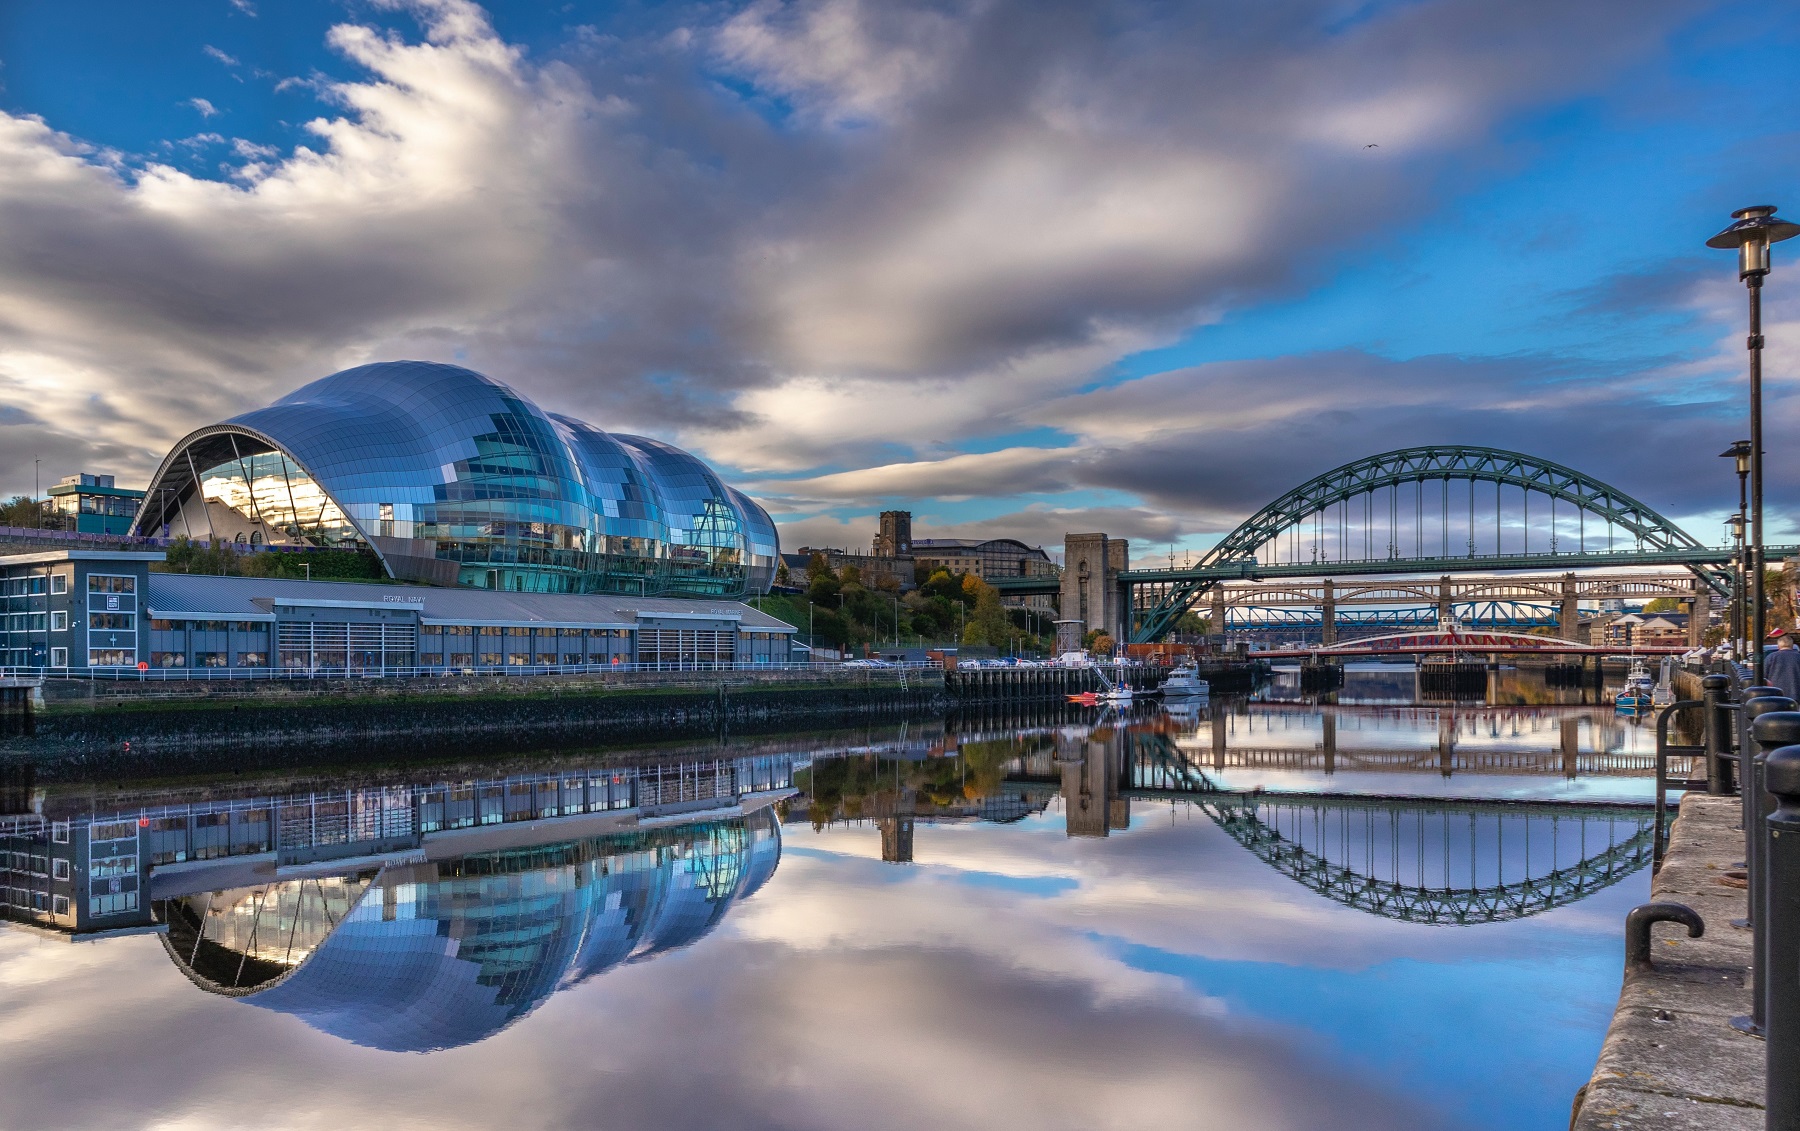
(895, 539)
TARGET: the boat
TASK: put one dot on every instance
(1639, 692)
(1114, 693)
(1184, 683)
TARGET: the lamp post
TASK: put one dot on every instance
(1739, 610)
(1740, 452)
(1754, 229)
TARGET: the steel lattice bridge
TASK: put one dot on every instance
(1444, 509)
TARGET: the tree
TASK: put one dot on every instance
(988, 624)
(1193, 624)
(1098, 641)
(1662, 605)
(781, 573)
(23, 510)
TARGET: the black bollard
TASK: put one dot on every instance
(1713, 691)
(1637, 929)
(1781, 924)
(1774, 723)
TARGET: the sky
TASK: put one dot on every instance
(1021, 268)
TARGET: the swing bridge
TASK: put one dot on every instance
(1514, 539)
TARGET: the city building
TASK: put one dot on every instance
(987, 558)
(1646, 630)
(90, 504)
(872, 567)
(452, 478)
(85, 609)
(894, 540)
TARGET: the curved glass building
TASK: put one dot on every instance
(452, 477)
(430, 956)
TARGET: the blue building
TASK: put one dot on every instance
(452, 478)
(88, 609)
(91, 504)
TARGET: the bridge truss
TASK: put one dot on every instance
(1442, 510)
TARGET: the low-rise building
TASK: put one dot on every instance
(96, 609)
(91, 504)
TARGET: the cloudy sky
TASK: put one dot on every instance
(1022, 267)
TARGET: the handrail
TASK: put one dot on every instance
(184, 674)
(1663, 750)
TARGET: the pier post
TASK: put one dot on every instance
(1568, 614)
(1773, 723)
(1781, 928)
(1328, 607)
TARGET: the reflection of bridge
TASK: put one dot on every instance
(1428, 860)
(1441, 510)
(1455, 640)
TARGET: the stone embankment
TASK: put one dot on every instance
(84, 718)
(1671, 1058)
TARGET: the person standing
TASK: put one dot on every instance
(1782, 667)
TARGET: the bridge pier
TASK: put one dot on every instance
(1328, 622)
(1568, 614)
(1091, 591)
(1699, 607)
(1443, 604)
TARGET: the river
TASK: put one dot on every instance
(1362, 909)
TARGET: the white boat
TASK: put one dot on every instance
(1185, 683)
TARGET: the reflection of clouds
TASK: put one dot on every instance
(1161, 977)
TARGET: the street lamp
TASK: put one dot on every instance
(1754, 230)
(1740, 452)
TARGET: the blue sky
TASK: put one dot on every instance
(1022, 268)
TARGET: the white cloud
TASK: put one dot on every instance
(206, 109)
(214, 53)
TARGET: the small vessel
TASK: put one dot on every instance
(1185, 683)
(1114, 693)
(1639, 692)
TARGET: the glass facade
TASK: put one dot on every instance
(452, 477)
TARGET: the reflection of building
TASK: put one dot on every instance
(453, 478)
(91, 504)
(896, 840)
(1091, 766)
(82, 872)
(418, 956)
(89, 608)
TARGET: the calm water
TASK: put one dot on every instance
(1274, 914)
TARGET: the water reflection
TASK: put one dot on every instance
(440, 953)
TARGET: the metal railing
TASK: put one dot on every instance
(130, 675)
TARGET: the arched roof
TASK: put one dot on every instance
(459, 457)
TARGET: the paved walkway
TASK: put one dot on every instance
(1671, 1060)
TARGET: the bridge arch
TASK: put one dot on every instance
(1372, 516)
(1314, 500)
(1440, 862)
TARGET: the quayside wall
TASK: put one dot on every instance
(91, 719)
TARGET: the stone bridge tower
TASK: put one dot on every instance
(1092, 597)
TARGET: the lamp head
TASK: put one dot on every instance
(1739, 451)
(1752, 231)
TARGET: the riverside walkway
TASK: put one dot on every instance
(1671, 1058)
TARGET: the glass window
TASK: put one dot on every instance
(491, 659)
(113, 622)
(434, 659)
(168, 659)
(59, 869)
(518, 630)
(462, 659)
(157, 625)
(246, 626)
(59, 583)
(59, 620)
(431, 630)
(253, 660)
(111, 657)
(459, 630)
(60, 905)
(547, 659)
(518, 659)
(59, 832)
(110, 583)
(572, 658)
(491, 630)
